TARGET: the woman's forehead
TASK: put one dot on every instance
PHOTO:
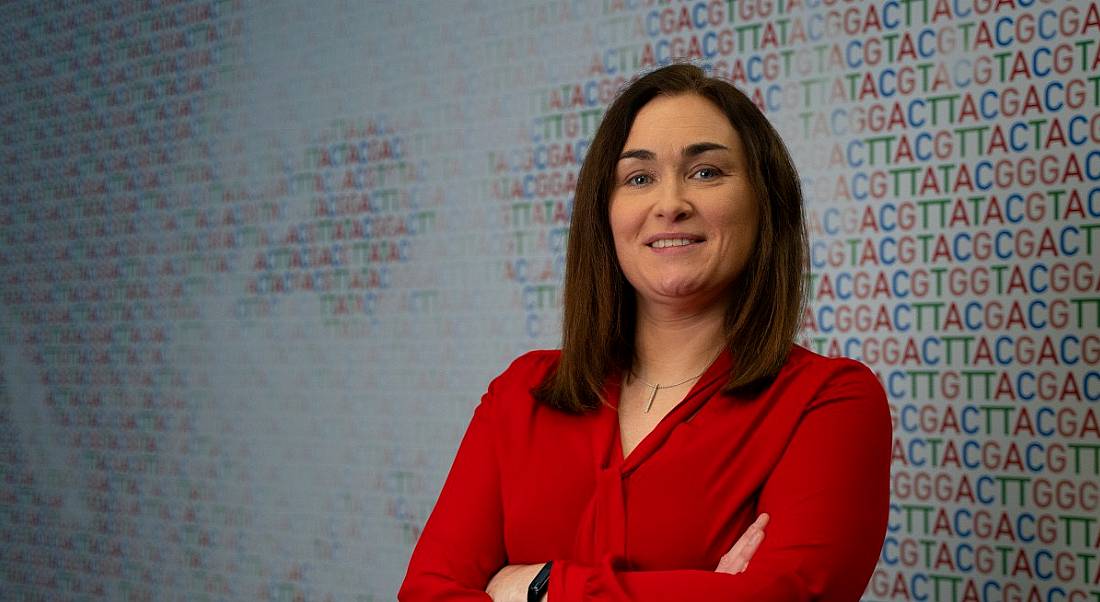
(675, 124)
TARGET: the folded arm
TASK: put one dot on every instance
(827, 497)
(462, 544)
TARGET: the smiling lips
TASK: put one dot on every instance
(664, 241)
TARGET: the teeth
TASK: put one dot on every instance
(670, 242)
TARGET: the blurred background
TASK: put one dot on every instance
(258, 262)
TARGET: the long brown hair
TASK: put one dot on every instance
(765, 301)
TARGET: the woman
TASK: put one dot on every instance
(678, 409)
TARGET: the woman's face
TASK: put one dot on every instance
(682, 210)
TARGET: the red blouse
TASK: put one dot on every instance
(531, 484)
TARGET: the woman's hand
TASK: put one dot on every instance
(511, 582)
(737, 559)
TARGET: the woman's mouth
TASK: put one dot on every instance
(672, 242)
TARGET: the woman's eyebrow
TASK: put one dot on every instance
(638, 153)
(702, 147)
(689, 151)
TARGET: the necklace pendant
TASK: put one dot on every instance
(652, 396)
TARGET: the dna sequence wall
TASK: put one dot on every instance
(259, 261)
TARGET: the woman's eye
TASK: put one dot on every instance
(638, 180)
(707, 173)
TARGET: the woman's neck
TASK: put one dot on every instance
(671, 345)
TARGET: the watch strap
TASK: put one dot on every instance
(539, 584)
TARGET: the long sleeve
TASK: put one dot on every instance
(828, 498)
(462, 544)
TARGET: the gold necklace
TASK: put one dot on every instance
(656, 387)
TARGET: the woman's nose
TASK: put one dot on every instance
(672, 204)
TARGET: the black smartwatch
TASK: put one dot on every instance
(539, 584)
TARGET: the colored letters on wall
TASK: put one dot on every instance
(258, 264)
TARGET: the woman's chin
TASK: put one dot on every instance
(677, 293)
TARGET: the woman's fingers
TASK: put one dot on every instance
(737, 559)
